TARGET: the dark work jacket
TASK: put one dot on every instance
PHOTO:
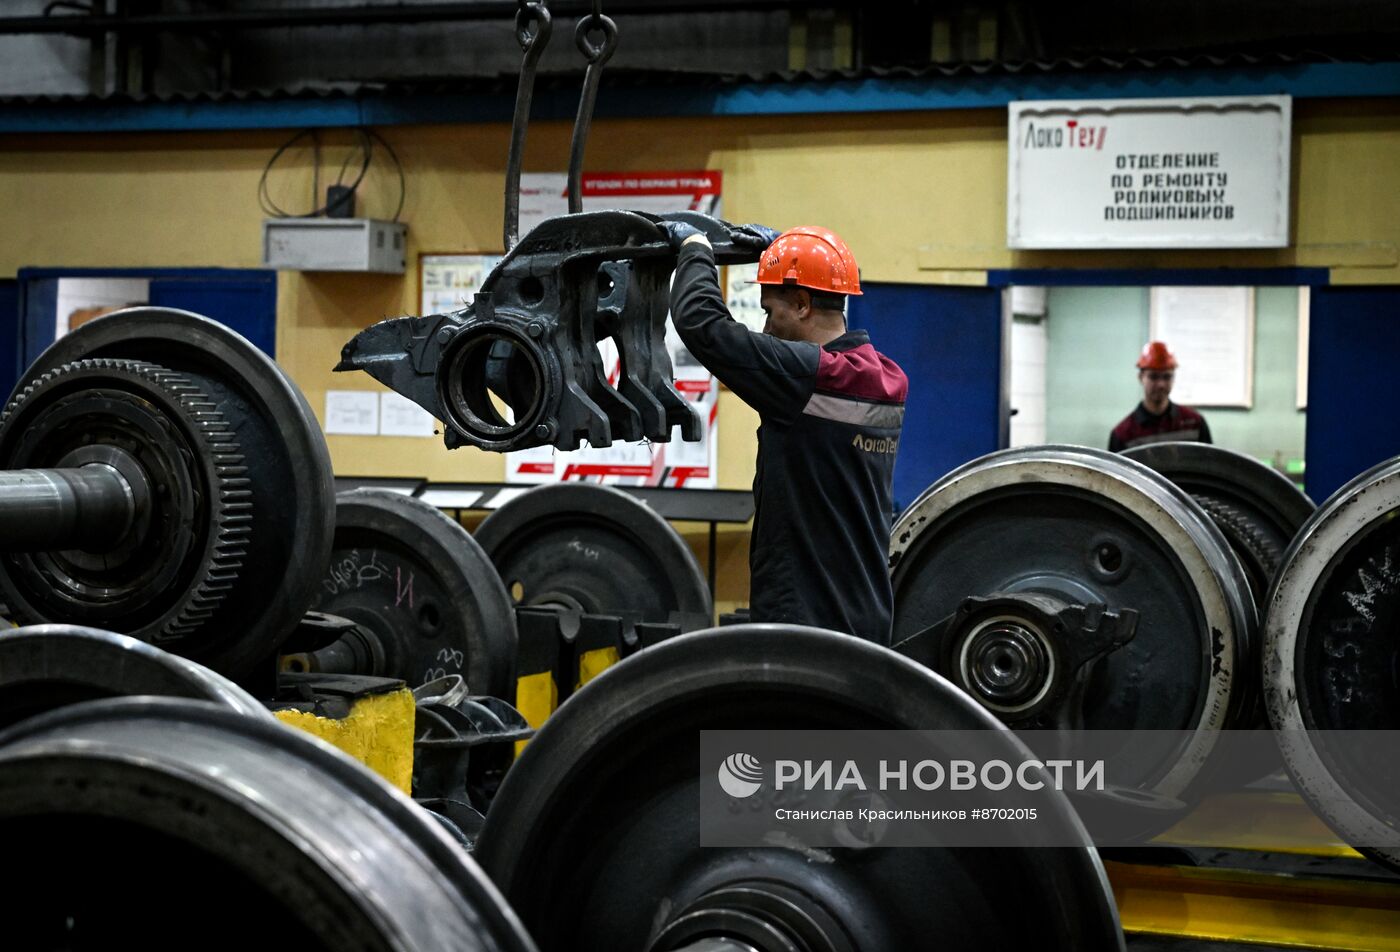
(830, 420)
(1175, 423)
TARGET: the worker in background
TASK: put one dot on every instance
(830, 409)
(1157, 419)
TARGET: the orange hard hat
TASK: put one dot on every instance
(810, 257)
(1155, 356)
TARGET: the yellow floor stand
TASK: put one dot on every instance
(377, 731)
(1261, 884)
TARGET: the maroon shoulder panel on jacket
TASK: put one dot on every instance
(862, 373)
(1189, 417)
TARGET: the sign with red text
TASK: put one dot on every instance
(546, 194)
(1149, 173)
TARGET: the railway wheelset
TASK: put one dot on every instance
(1180, 596)
(165, 481)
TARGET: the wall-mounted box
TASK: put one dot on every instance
(334, 244)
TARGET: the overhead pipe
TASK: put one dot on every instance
(87, 25)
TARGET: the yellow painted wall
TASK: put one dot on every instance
(920, 197)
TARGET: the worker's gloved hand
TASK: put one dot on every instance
(755, 236)
(678, 231)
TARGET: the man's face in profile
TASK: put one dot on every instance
(785, 310)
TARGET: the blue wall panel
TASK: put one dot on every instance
(38, 307)
(243, 299)
(1353, 384)
(9, 335)
(949, 342)
(247, 302)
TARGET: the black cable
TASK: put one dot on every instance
(367, 139)
(265, 202)
(315, 167)
(403, 187)
(366, 150)
(366, 135)
(365, 146)
(271, 208)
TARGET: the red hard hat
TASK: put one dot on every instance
(810, 257)
(1155, 356)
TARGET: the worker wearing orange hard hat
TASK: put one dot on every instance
(1157, 419)
(830, 409)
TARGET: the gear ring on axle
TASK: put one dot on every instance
(170, 571)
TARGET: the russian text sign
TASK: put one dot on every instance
(1149, 173)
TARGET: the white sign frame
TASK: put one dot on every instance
(1304, 330)
(1200, 172)
(352, 413)
(1211, 332)
(400, 416)
(741, 295)
(447, 282)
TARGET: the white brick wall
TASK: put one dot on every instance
(1028, 351)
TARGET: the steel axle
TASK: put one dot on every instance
(89, 507)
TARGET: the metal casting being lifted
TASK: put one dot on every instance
(519, 367)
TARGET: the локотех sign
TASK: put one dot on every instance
(1149, 173)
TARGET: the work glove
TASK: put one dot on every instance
(678, 231)
(754, 236)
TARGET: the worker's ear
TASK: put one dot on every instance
(802, 302)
